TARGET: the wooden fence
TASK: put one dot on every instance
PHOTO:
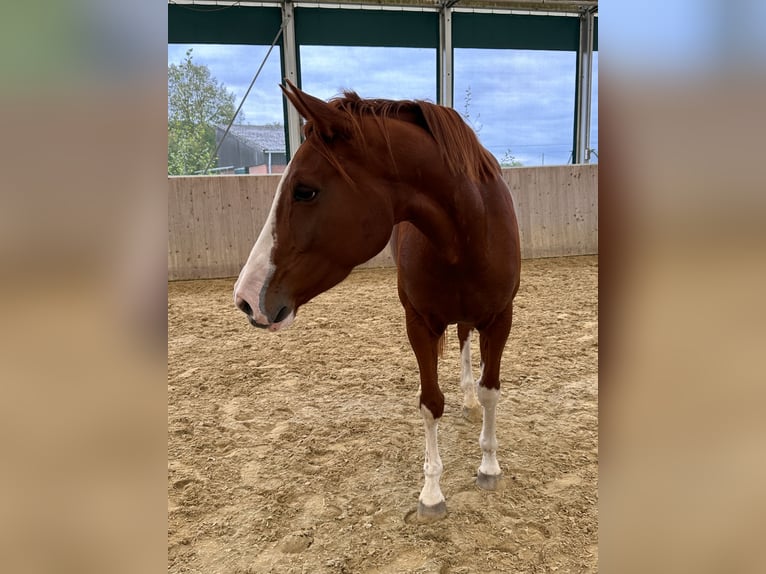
(214, 221)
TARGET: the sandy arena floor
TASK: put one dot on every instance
(302, 451)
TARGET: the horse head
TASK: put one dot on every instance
(330, 213)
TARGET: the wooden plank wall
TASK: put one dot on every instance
(214, 221)
(557, 209)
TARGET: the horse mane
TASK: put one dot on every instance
(458, 145)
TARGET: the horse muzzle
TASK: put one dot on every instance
(283, 317)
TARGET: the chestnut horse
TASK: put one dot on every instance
(413, 172)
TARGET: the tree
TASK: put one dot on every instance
(509, 160)
(467, 99)
(196, 104)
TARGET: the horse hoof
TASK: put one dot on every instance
(472, 414)
(488, 481)
(431, 513)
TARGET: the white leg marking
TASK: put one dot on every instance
(431, 495)
(467, 383)
(487, 440)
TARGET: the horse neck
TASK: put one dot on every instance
(442, 205)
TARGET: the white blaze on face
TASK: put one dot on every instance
(259, 268)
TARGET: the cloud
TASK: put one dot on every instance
(235, 66)
(395, 73)
(520, 100)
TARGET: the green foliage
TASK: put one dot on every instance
(196, 104)
(509, 160)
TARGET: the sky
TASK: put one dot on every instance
(685, 37)
(521, 103)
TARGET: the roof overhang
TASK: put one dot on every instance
(525, 6)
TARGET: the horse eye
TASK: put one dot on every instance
(304, 193)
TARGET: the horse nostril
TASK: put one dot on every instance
(244, 306)
(283, 312)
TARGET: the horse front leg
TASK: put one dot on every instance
(489, 474)
(471, 406)
(492, 343)
(431, 504)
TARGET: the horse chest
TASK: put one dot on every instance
(454, 294)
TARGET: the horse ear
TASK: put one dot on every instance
(328, 121)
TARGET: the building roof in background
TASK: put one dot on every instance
(267, 138)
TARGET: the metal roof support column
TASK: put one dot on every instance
(584, 85)
(445, 55)
(290, 67)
